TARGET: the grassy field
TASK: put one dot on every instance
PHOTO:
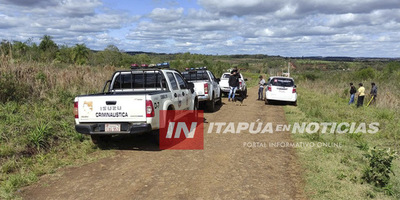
(37, 133)
(337, 173)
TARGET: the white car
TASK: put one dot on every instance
(280, 89)
(224, 83)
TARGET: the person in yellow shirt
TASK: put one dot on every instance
(361, 95)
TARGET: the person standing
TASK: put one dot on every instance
(374, 92)
(361, 95)
(233, 84)
(261, 88)
(353, 91)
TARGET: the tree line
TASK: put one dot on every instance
(47, 51)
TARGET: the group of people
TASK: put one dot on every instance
(361, 94)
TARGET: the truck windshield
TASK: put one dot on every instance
(195, 75)
(145, 80)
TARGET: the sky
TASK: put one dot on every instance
(367, 28)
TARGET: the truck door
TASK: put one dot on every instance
(185, 92)
(176, 95)
(215, 85)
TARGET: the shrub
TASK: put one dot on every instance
(392, 67)
(380, 166)
(310, 76)
(13, 90)
(366, 73)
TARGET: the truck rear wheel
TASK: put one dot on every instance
(211, 104)
(219, 101)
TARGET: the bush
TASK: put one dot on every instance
(392, 67)
(380, 166)
(13, 90)
(310, 76)
(366, 73)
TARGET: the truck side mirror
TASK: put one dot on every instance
(218, 80)
(265, 83)
(245, 79)
(191, 86)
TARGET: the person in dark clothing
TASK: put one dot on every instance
(233, 84)
(353, 91)
(374, 92)
(234, 70)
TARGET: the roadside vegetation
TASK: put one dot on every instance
(39, 81)
(37, 86)
(366, 166)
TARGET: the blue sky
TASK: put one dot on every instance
(367, 28)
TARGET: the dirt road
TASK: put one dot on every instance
(229, 167)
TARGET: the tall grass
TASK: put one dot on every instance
(36, 123)
(336, 173)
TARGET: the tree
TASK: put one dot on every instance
(47, 44)
(48, 48)
(80, 54)
(20, 49)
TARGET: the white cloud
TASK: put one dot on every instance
(289, 28)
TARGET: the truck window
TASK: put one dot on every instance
(212, 76)
(138, 81)
(182, 83)
(172, 80)
(195, 75)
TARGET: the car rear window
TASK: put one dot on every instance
(284, 82)
(226, 76)
(195, 75)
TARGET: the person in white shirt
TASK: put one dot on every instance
(261, 88)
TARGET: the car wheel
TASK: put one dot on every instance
(245, 93)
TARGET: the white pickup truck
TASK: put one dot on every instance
(206, 86)
(132, 102)
(224, 83)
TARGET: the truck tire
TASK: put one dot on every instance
(245, 93)
(100, 139)
(155, 137)
(219, 101)
(211, 104)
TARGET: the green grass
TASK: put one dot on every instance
(335, 173)
(37, 133)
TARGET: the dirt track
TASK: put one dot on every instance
(225, 169)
